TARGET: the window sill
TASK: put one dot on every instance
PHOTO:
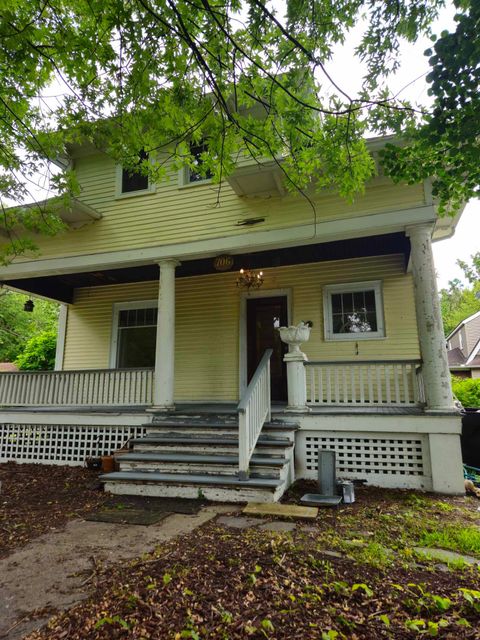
(133, 194)
(353, 338)
(189, 185)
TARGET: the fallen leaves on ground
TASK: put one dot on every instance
(36, 499)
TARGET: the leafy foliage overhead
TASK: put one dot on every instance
(447, 145)
(254, 75)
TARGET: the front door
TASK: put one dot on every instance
(264, 316)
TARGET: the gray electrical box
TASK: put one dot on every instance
(327, 483)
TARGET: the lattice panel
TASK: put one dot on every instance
(62, 444)
(361, 456)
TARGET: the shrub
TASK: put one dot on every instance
(467, 390)
(39, 352)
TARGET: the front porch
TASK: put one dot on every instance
(376, 392)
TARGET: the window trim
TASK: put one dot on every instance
(184, 178)
(122, 306)
(347, 287)
(119, 194)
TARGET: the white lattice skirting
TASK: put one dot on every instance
(62, 443)
(389, 460)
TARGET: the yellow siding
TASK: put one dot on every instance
(172, 214)
(208, 320)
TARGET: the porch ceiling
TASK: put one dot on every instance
(61, 287)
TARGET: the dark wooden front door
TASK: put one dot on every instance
(264, 315)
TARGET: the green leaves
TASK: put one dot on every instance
(249, 81)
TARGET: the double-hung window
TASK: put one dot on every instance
(354, 311)
(131, 182)
(198, 173)
(134, 335)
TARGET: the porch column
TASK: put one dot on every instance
(165, 343)
(436, 373)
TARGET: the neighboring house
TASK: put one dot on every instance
(463, 348)
(156, 316)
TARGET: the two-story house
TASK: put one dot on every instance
(463, 347)
(164, 340)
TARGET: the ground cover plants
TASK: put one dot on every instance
(351, 574)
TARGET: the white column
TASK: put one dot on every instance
(165, 344)
(436, 374)
(296, 382)
(61, 334)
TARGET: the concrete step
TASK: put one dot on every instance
(179, 462)
(174, 437)
(214, 431)
(160, 425)
(217, 488)
(267, 461)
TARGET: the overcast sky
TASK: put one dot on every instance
(410, 82)
(464, 243)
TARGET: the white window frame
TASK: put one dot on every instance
(119, 194)
(184, 179)
(121, 306)
(348, 287)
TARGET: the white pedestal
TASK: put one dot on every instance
(296, 382)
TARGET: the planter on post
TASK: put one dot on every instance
(294, 336)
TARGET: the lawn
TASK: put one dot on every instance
(353, 573)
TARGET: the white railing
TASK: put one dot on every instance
(368, 383)
(94, 387)
(253, 410)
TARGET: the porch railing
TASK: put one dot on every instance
(96, 387)
(253, 410)
(367, 383)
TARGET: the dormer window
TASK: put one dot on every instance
(131, 182)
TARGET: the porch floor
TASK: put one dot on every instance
(278, 409)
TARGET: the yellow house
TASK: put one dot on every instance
(173, 296)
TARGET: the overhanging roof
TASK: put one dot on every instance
(62, 287)
(75, 214)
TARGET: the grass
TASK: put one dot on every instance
(460, 539)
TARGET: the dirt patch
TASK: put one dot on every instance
(57, 570)
(36, 499)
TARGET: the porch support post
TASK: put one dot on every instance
(61, 335)
(165, 344)
(436, 374)
(296, 382)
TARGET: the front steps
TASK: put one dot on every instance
(197, 456)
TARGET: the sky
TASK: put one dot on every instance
(465, 242)
(410, 83)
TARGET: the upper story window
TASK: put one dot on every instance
(354, 311)
(198, 173)
(131, 182)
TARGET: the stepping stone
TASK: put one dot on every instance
(332, 554)
(237, 522)
(283, 510)
(446, 556)
(279, 527)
